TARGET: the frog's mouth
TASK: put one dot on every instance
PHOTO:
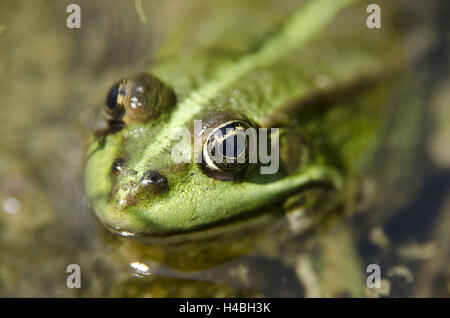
(223, 241)
(196, 207)
(315, 201)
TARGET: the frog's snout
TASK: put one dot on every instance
(154, 180)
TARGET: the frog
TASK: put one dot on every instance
(314, 76)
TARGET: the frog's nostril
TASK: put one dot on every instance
(117, 165)
(152, 179)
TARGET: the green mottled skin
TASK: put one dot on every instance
(257, 72)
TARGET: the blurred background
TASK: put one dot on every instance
(53, 81)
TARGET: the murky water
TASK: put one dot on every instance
(53, 79)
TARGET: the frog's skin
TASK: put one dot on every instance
(319, 75)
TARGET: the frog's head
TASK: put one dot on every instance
(137, 186)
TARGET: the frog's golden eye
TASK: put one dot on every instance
(112, 109)
(228, 149)
(138, 99)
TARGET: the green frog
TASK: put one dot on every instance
(310, 72)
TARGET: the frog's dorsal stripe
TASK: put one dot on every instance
(303, 26)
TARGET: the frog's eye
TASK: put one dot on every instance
(138, 99)
(228, 149)
(113, 110)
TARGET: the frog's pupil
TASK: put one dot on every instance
(111, 100)
(230, 147)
